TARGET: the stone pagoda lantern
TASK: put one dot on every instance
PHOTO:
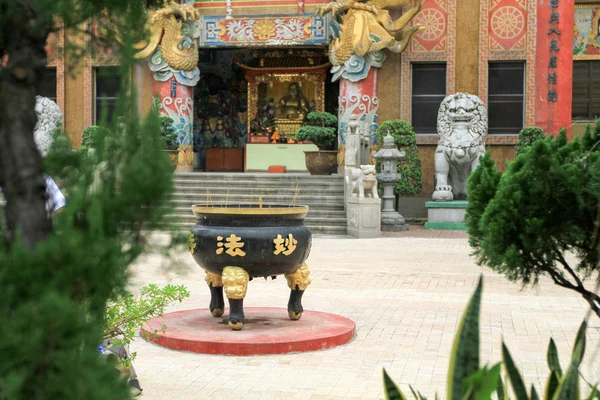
(391, 220)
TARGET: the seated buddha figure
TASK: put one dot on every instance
(293, 105)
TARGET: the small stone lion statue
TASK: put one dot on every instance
(364, 180)
(49, 119)
(462, 126)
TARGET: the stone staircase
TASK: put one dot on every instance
(323, 194)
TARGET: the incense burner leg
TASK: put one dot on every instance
(235, 281)
(297, 281)
(215, 284)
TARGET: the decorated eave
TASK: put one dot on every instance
(287, 61)
(264, 31)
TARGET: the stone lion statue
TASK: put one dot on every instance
(462, 126)
(49, 119)
(364, 179)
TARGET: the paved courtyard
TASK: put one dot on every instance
(405, 292)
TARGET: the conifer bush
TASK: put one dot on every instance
(545, 206)
(527, 136)
(58, 274)
(405, 139)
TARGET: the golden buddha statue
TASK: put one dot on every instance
(292, 106)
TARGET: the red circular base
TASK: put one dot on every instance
(267, 331)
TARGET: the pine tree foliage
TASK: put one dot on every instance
(527, 137)
(58, 277)
(405, 139)
(544, 207)
(481, 186)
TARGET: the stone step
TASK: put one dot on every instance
(283, 199)
(258, 190)
(229, 176)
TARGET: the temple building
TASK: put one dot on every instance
(262, 65)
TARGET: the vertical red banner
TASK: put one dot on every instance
(554, 65)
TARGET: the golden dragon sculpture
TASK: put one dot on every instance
(361, 19)
(165, 27)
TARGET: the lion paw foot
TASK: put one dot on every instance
(443, 193)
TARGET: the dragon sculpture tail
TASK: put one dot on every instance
(176, 52)
(342, 49)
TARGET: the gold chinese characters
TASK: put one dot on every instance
(233, 245)
(285, 246)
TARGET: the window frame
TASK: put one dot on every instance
(47, 70)
(96, 99)
(589, 82)
(523, 95)
(441, 96)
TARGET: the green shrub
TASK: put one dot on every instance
(544, 206)
(321, 129)
(125, 314)
(527, 136)
(406, 139)
(468, 381)
(91, 137)
(169, 133)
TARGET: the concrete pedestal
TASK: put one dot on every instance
(446, 215)
(364, 217)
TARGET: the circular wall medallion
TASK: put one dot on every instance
(434, 22)
(508, 22)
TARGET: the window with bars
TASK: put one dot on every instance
(107, 87)
(506, 97)
(586, 90)
(428, 92)
(48, 86)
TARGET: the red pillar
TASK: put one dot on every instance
(361, 99)
(176, 102)
(554, 65)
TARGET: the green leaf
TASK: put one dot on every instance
(464, 360)
(569, 386)
(482, 383)
(594, 394)
(552, 358)
(534, 395)
(514, 375)
(579, 347)
(392, 391)
(500, 389)
(551, 385)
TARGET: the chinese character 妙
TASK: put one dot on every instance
(233, 246)
(285, 246)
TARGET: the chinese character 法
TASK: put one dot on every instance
(285, 246)
(233, 245)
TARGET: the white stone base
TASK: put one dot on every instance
(364, 217)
